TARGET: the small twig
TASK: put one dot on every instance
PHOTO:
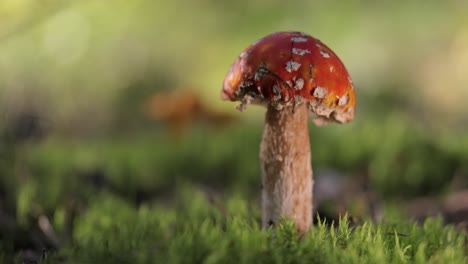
(398, 234)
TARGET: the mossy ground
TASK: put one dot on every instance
(157, 199)
(195, 231)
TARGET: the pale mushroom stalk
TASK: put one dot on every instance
(286, 167)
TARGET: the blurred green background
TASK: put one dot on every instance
(123, 97)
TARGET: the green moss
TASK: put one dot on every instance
(195, 231)
(150, 199)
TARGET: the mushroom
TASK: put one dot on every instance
(294, 75)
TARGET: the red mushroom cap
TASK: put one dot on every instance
(290, 68)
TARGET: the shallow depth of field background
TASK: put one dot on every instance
(104, 100)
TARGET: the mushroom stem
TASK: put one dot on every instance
(286, 167)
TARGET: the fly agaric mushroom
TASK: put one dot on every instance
(293, 75)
